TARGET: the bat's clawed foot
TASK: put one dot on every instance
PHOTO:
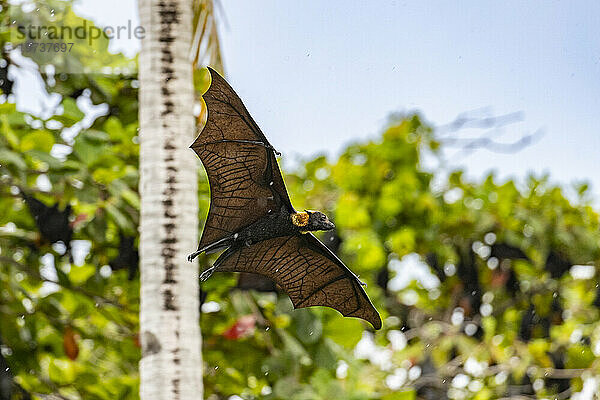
(206, 274)
(193, 255)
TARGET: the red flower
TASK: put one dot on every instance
(242, 328)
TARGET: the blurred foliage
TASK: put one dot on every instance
(487, 289)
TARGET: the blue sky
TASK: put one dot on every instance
(318, 75)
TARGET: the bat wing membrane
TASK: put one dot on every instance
(308, 272)
(244, 177)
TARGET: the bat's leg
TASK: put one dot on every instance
(194, 255)
(214, 247)
(208, 272)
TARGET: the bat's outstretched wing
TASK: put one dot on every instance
(245, 180)
(307, 271)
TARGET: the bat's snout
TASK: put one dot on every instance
(329, 225)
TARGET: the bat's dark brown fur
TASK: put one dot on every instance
(252, 219)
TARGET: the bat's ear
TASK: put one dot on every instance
(308, 212)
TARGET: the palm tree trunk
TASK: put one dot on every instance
(171, 365)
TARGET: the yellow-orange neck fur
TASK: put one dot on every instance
(300, 218)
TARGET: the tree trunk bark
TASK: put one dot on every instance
(171, 364)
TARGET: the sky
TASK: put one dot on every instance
(319, 75)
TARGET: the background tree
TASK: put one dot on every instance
(488, 287)
(171, 360)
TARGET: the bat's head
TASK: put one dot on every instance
(317, 221)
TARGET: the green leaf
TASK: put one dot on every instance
(410, 394)
(89, 149)
(120, 219)
(308, 326)
(61, 371)
(71, 113)
(292, 345)
(5, 123)
(115, 129)
(131, 197)
(70, 166)
(343, 331)
(39, 140)
(52, 162)
(95, 136)
(10, 157)
(80, 274)
(325, 356)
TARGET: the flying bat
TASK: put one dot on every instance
(252, 218)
